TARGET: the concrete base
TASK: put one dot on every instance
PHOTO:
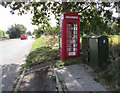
(76, 78)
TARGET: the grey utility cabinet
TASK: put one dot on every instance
(85, 48)
(98, 51)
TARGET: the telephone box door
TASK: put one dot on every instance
(72, 39)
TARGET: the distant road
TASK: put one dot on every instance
(12, 55)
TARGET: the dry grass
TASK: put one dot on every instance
(115, 39)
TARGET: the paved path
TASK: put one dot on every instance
(12, 55)
(76, 78)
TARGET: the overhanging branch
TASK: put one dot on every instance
(84, 9)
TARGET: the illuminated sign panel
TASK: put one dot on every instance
(72, 17)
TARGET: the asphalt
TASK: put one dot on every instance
(38, 81)
(12, 55)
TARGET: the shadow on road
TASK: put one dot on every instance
(9, 73)
(38, 81)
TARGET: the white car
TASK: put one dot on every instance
(33, 36)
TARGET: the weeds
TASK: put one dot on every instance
(69, 62)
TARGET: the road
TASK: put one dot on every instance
(12, 55)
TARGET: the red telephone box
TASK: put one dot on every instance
(69, 35)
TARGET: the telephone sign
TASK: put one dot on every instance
(69, 36)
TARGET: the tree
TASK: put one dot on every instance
(29, 33)
(96, 26)
(42, 10)
(46, 30)
(16, 30)
(2, 33)
(38, 32)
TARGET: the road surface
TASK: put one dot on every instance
(12, 55)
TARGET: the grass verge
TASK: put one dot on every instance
(44, 49)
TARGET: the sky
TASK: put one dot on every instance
(7, 19)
